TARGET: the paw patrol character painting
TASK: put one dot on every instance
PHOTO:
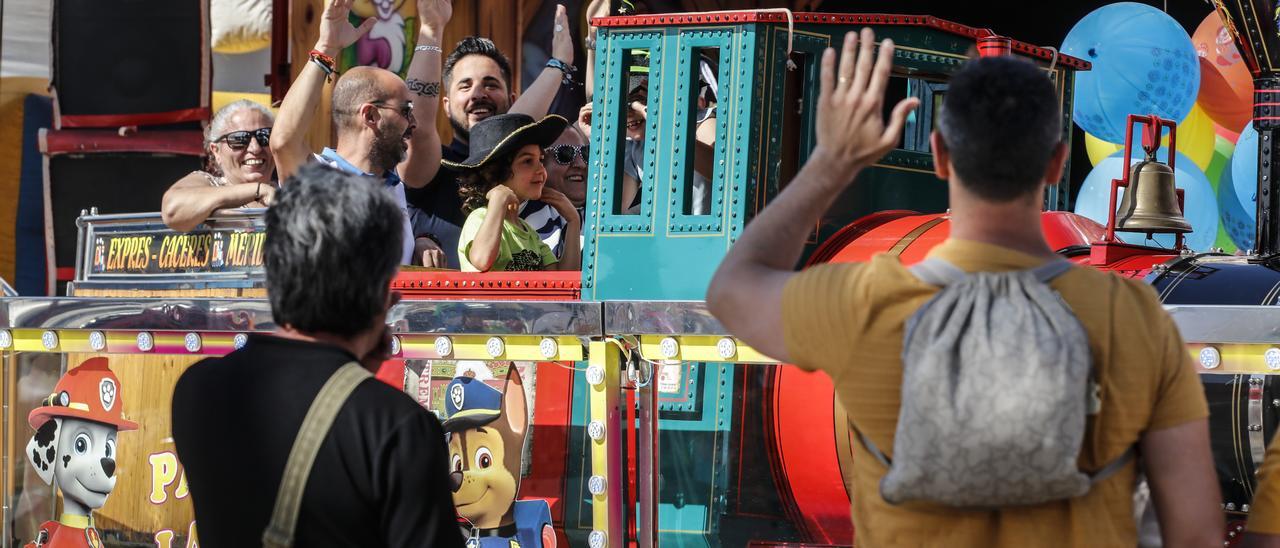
(487, 430)
(74, 449)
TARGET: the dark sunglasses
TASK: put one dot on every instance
(239, 140)
(405, 110)
(563, 154)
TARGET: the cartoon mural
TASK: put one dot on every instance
(487, 431)
(387, 45)
(74, 449)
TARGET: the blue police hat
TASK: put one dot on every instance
(470, 403)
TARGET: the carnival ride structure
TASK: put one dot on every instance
(650, 423)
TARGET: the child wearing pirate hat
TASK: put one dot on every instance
(503, 171)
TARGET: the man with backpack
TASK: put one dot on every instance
(999, 395)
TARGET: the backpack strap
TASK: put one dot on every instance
(938, 272)
(1052, 269)
(871, 447)
(315, 427)
(1115, 465)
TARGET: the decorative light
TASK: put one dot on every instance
(395, 346)
(596, 485)
(595, 429)
(595, 375)
(495, 347)
(1210, 357)
(49, 339)
(6, 339)
(97, 341)
(192, 342)
(726, 348)
(1272, 357)
(669, 347)
(145, 341)
(444, 346)
(597, 539)
(548, 347)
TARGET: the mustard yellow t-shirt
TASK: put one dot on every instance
(1265, 514)
(847, 320)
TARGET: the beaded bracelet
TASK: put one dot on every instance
(564, 68)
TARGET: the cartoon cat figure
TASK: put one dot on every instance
(487, 430)
(74, 448)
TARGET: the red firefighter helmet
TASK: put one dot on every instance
(89, 392)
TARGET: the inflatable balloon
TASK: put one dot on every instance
(1143, 63)
(1221, 162)
(1238, 190)
(1201, 206)
(1226, 87)
(1195, 141)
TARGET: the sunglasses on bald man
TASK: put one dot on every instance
(239, 140)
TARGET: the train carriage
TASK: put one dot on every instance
(650, 424)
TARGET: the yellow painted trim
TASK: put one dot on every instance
(700, 348)
(1237, 359)
(517, 347)
(603, 407)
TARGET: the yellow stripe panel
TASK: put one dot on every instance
(1241, 359)
(517, 347)
(700, 348)
(603, 407)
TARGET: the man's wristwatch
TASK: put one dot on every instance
(564, 68)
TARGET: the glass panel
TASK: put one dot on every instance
(629, 191)
(747, 457)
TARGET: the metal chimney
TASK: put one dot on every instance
(1253, 25)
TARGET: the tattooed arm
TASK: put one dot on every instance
(423, 160)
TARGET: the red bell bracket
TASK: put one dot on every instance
(1152, 127)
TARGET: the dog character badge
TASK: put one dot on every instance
(74, 449)
(487, 430)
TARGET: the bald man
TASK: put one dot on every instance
(374, 113)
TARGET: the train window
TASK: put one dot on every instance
(637, 167)
(923, 121)
(701, 128)
(797, 118)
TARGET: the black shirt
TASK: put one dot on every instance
(379, 479)
(437, 207)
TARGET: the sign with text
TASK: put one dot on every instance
(178, 253)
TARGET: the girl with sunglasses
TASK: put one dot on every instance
(503, 171)
(240, 168)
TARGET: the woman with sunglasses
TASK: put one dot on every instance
(504, 170)
(240, 168)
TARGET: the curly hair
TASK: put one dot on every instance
(473, 185)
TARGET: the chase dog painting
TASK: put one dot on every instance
(487, 431)
(74, 449)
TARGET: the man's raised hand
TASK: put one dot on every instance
(435, 15)
(851, 130)
(336, 32)
(562, 38)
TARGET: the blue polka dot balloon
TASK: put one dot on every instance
(1201, 204)
(1143, 63)
(1238, 190)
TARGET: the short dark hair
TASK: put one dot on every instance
(333, 244)
(476, 45)
(1001, 121)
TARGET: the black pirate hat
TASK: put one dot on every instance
(501, 134)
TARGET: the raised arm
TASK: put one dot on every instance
(746, 292)
(597, 8)
(536, 100)
(289, 134)
(193, 199)
(423, 159)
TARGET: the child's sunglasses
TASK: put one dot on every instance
(239, 140)
(563, 154)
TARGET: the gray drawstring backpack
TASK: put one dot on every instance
(997, 380)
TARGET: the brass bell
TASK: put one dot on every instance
(1150, 204)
